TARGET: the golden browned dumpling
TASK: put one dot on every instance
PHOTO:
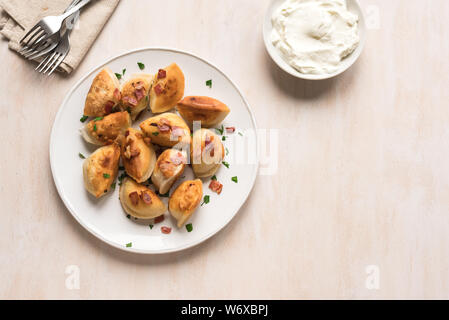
(100, 169)
(104, 130)
(169, 166)
(138, 155)
(167, 130)
(135, 93)
(104, 94)
(184, 201)
(205, 109)
(139, 201)
(207, 153)
(168, 89)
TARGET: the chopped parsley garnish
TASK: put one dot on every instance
(151, 226)
(123, 71)
(121, 168)
(214, 177)
(84, 118)
(95, 127)
(209, 83)
(226, 164)
(106, 175)
(113, 186)
(81, 155)
(141, 65)
(128, 216)
(241, 134)
(118, 75)
(220, 131)
(155, 133)
(129, 245)
(206, 199)
(98, 118)
(235, 179)
(189, 227)
(120, 179)
(227, 151)
(223, 138)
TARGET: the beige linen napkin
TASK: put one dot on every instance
(16, 16)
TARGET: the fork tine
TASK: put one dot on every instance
(31, 51)
(36, 50)
(62, 56)
(32, 37)
(48, 60)
(32, 30)
(41, 40)
(23, 49)
(42, 62)
(37, 41)
(43, 52)
(52, 62)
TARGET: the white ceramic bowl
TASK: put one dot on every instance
(353, 6)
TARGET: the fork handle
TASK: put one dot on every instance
(68, 13)
(72, 4)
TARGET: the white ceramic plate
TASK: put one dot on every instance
(105, 217)
(353, 6)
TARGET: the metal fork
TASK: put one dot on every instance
(49, 28)
(47, 46)
(53, 60)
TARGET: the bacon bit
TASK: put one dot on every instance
(159, 219)
(108, 107)
(132, 101)
(207, 141)
(208, 145)
(163, 125)
(158, 89)
(140, 93)
(127, 133)
(138, 85)
(177, 131)
(215, 186)
(165, 230)
(134, 197)
(106, 162)
(161, 74)
(145, 197)
(230, 129)
(178, 159)
(117, 94)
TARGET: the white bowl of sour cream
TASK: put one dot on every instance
(314, 39)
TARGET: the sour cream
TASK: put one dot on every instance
(314, 36)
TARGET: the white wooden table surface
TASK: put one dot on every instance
(361, 190)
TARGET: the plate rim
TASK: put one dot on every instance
(283, 65)
(57, 182)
